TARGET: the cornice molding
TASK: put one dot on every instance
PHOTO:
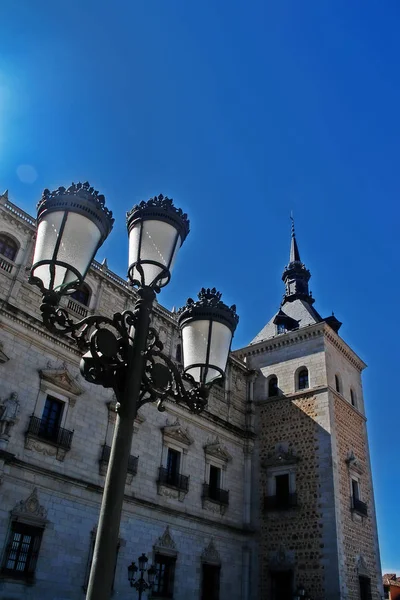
(295, 337)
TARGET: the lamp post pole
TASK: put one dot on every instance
(124, 352)
(102, 570)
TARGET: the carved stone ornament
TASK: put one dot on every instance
(362, 568)
(214, 507)
(30, 511)
(280, 559)
(210, 554)
(169, 492)
(281, 456)
(216, 450)
(353, 463)
(9, 409)
(61, 381)
(175, 433)
(31, 443)
(166, 544)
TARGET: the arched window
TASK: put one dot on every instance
(272, 386)
(338, 384)
(82, 294)
(352, 397)
(178, 353)
(8, 247)
(302, 379)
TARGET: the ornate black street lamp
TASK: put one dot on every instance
(141, 585)
(124, 352)
(301, 594)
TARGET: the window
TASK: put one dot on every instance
(282, 489)
(165, 574)
(280, 328)
(355, 489)
(173, 466)
(272, 386)
(281, 585)
(8, 247)
(365, 588)
(352, 397)
(50, 423)
(303, 383)
(210, 582)
(386, 593)
(22, 550)
(178, 354)
(82, 295)
(215, 482)
(337, 384)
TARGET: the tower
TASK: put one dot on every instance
(316, 506)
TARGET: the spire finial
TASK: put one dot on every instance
(292, 219)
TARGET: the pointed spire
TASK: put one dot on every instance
(294, 249)
(296, 275)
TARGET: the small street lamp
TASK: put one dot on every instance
(300, 594)
(141, 585)
(124, 352)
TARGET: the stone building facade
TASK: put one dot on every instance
(271, 485)
(316, 514)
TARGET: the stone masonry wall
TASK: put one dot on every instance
(358, 532)
(296, 532)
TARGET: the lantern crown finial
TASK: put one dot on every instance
(153, 206)
(81, 192)
(210, 298)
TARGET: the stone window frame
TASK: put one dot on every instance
(338, 384)
(217, 455)
(353, 397)
(59, 384)
(14, 240)
(268, 383)
(174, 437)
(273, 472)
(83, 288)
(296, 378)
(89, 561)
(166, 547)
(31, 514)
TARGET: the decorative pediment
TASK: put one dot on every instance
(210, 554)
(175, 433)
(30, 511)
(281, 456)
(61, 381)
(216, 450)
(165, 543)
(353, 463)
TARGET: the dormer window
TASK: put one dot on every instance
(281, 328)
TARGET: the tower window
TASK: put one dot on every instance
(272, 386)
(8, 247)
(338, 384)
(303, 382)
(352, 397)
(281, 328)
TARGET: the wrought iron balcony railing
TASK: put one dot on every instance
(43, 429)
(215, 494)
(280, 502)
(132, 464)
(172, 479)
(359, 506)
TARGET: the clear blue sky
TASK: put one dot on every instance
(242, 112)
